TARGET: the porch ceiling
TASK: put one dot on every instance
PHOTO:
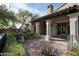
(64, 12)
(63, 19)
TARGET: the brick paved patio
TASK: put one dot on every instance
(34, 47)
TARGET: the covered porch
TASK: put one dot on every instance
(60, 24)
(59, 27)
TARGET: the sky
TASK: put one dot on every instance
(35, 8)
(43, 7)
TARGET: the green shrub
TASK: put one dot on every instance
(30, 35)
(12, 46)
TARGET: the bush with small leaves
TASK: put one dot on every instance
(12, 46)
(48, 49)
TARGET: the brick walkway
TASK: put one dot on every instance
(33, 47)
(61, 46)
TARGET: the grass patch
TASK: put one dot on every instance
(75, 53)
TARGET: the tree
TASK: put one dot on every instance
(6, 16)
(9, 19)
(35, 16)
(23, 15)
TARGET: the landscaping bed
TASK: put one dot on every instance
(12, 47)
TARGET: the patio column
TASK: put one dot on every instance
(48, 30)
(73, 18)
(38, 28)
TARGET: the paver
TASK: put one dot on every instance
(33, 47)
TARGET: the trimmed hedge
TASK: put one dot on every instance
(12, 46)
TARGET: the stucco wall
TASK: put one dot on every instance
(54, 29)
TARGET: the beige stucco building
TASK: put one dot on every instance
(63, 22)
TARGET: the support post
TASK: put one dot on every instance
(38, 28)
(73, 18)
(48, 30)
